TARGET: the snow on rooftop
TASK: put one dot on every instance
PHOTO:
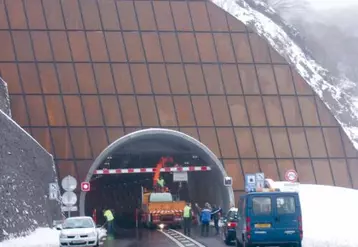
(328, 215)
(339, 101)
(41, 237)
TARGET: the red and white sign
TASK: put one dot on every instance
(85, 186)
(151, 170)
(291, 175)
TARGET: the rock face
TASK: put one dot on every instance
(26, 169)
(4, 98)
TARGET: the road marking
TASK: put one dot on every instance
(172, 238)
(190, 239)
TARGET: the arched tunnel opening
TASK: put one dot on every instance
(127, 162)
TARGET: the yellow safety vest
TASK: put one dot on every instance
(108, 214)
(161, 182)
(186, 213)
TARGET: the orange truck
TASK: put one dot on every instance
(160, 210)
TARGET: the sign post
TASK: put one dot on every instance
(228, 181)
(260, 180)
(250, 182)
(69, 198)
(180, 176)
(53, 191)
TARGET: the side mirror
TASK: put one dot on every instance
(59, 227)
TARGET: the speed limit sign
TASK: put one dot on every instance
(291, 176)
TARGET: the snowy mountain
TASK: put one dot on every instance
(338, 94)
(329, 30)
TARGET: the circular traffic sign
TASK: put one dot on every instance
(69, 198)
(85, 186)
(291, 176)
(69, 183)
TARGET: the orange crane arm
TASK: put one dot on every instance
(157, 173)
(162, 162)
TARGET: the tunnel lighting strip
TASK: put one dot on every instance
(151, 170)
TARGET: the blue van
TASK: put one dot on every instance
(269, 219)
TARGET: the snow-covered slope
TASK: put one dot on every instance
(328, 215)
(342, 104)
(42, 237)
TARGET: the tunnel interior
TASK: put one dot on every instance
(122, 192)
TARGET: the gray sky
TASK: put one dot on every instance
(329, 4)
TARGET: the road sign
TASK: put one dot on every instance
(290, 187)
(228, 181)
(250, 182)
(69, 208)
(69, 183)
(85, 186)
(69, 198)
(53, 191)
(260, 180)
(291, 175)
(180, 176)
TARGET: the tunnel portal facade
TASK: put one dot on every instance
(203, 188)
(82, 74)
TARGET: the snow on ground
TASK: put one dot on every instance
(328, 215)
(42, 237)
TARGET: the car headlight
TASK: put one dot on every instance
(92, 235)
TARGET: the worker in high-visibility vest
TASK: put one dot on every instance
(187, 216)
(109, 220)
(161, 183)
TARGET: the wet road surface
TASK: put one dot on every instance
(165, 238)
(139, 238)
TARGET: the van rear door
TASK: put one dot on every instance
(261, 217)
(287, 213)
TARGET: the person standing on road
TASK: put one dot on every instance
(215, 214)
(109, 220)
(187, 215)
(205, 217)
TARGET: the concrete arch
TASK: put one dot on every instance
(214, 162)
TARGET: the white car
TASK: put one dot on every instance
(80, 231)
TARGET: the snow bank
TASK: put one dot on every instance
(329, 215)
(42, 237)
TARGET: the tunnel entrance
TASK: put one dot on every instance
(121, 173)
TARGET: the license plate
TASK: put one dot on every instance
(78, 242)
(262, 225)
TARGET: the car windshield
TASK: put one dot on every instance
(72, 223)
(161, 197)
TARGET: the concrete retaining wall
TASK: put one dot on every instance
(26, 169)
